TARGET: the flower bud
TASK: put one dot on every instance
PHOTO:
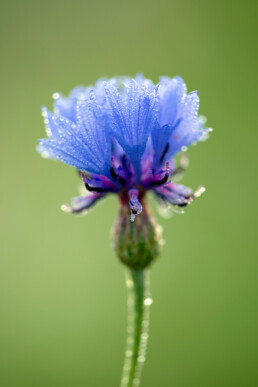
(138, 242)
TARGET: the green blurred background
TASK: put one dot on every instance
(62, 291)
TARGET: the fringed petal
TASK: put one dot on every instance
(131, 118)
(178, 194)
(70, 144)
(82, 203)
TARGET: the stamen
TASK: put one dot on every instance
(121, 180)
(114, 174)
(158, 183)
(96, 189)
(135, 205)
(182, 204)
(91, 188)
(112, 170)
(126, 165)
(164, 153)
(167, 145)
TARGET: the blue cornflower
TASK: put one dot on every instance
(122, 135)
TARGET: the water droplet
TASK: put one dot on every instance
(66, 208)
(129, 283)
(45, 154)
(148, 301)
(55, 95)
(199, 192)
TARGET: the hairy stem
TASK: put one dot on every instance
(137, 281)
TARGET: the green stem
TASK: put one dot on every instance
(137, 281)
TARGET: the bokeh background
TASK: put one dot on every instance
(62, 292)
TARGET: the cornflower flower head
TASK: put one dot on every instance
(122, 135)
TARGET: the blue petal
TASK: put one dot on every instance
(81, 203)
(189, 130)
(132, 116)
(175, 194)
(72, 145)
(178, 194)
(142, 81)
(178, 113)
(171, 93)
(160, 140)
(179, 189)
(92, 125)
(66, 106)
